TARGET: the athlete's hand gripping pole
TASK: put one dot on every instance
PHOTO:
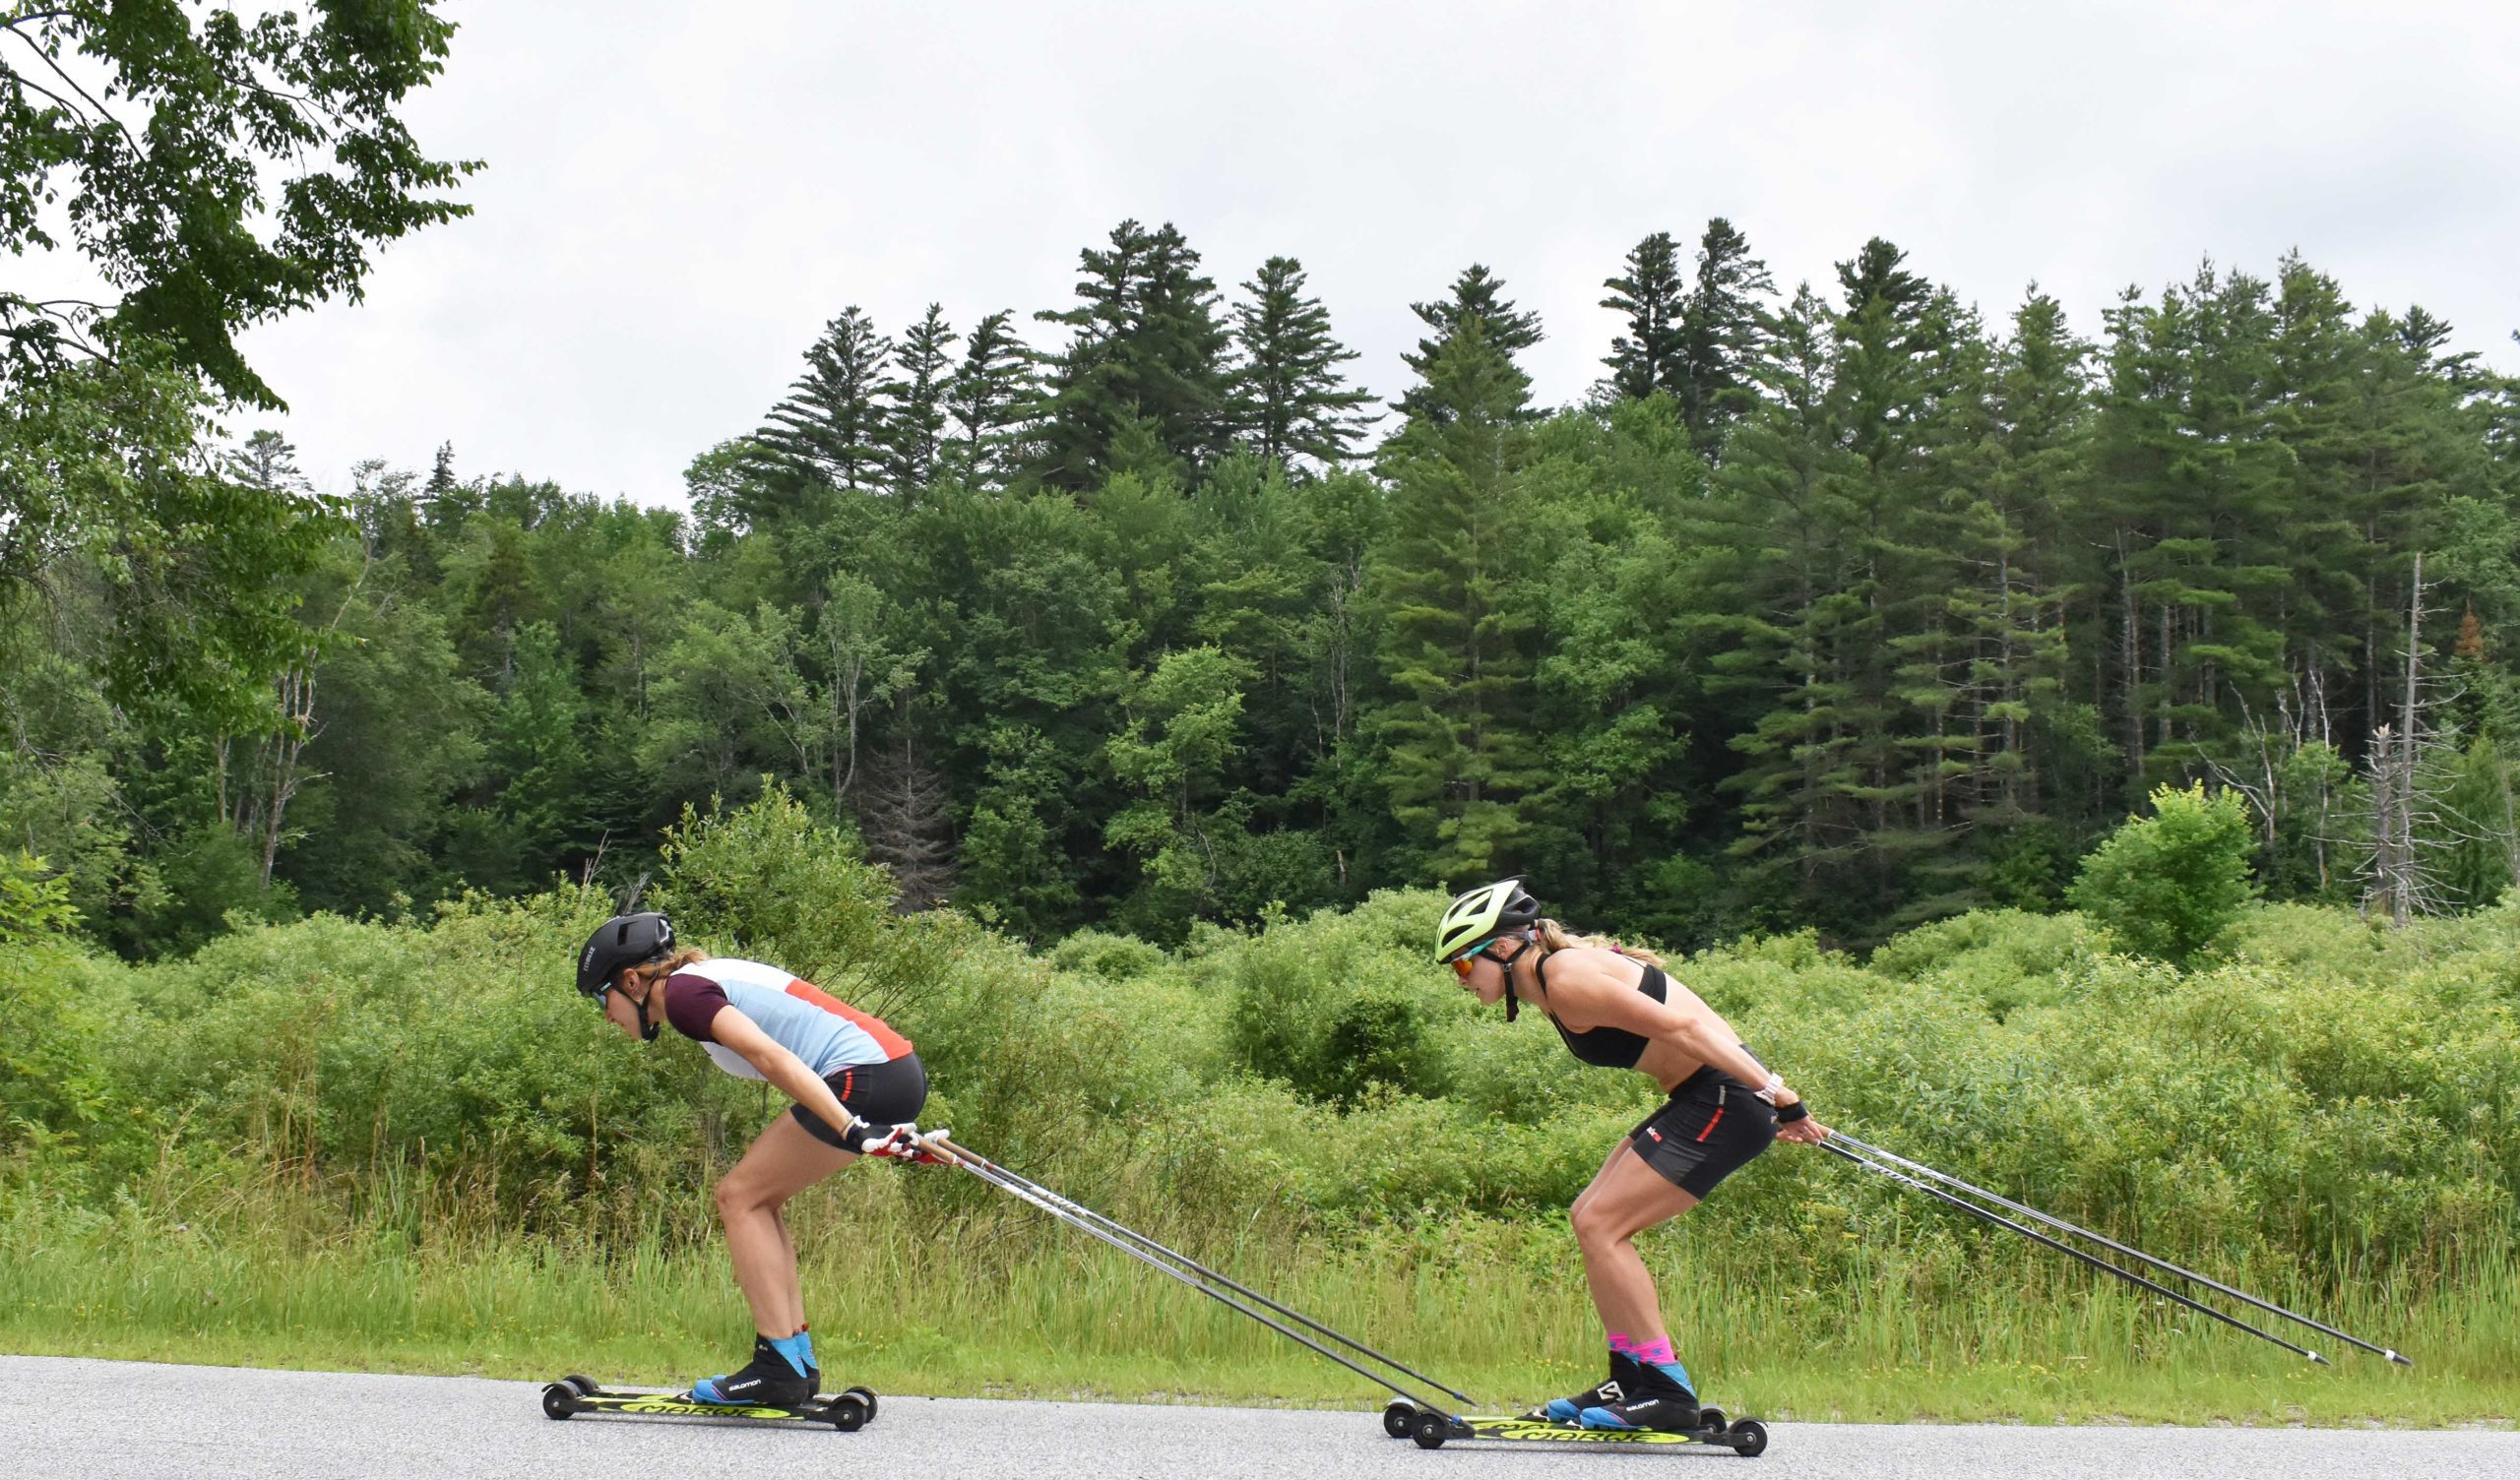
(1180, 1266)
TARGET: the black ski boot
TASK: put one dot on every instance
(1654, 1403)
(1615, 1388)
(768, 1379)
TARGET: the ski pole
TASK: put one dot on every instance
(2097, 1262)
(1050, 1202)
(1203, 1273)
(2159, 1264)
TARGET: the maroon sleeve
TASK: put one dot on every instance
(692, 1003)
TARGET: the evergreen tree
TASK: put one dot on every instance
(1457, 627)
(267, 461)
(913, 432)
(1723, 325)
(990, 399)
(1652, 355)
(1475, 295)
(1292, 398)
(828, 430)
(1144, 343)
(1785, 494)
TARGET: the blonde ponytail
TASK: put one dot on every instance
(1554, 938)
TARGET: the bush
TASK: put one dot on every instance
(2325, 1104)
(2165, 886)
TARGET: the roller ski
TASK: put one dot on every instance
(778, 1386)
(848, 1410)
(1432, 1430)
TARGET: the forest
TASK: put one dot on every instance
(1852, 609)
(2072, 751)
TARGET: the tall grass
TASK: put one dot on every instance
(1009, 1304)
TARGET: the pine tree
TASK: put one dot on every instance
(1785, 492)
(1475, 295)
(1144, 342)
(1182, 382)
(828, 430)
(1651, 355)
(1457, 624)
(915, 430)
(2018, 672)
(990, 399)
(1292, 398)
(267, 461)
(1723, 325)
(2190, 488)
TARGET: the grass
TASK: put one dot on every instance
(1012, 1306)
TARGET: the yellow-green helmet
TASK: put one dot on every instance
(1481, 915)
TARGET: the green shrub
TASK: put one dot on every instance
(2165, 886)
(2323, 1103)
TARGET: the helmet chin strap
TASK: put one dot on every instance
(1513, 999)
(647, 1030)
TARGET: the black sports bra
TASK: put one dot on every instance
(1608, 1047)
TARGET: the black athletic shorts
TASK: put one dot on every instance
(1708, 1130)
(885, 1093)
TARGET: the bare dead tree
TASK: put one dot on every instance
(2411, 757)
(903, 807)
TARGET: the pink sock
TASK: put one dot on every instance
(1657, 1352)
(1624, 1343)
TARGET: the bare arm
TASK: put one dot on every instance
(1686, 1023)
(779, 1067)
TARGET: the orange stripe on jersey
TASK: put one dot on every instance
(893, 1044)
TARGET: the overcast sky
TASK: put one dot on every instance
(678, 196)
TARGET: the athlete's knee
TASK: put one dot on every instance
(1595, 1229)
(736, 1197)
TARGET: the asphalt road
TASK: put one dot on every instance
(67, 1419)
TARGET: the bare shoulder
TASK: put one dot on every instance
(1591, 968)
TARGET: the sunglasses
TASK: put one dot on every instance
(1462, 962)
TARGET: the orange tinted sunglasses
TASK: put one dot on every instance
(1462, 962)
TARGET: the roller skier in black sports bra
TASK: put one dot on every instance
(1615, 1007)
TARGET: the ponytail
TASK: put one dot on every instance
(1554, 938)
(657, 971)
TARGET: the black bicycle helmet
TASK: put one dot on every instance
(622, 941)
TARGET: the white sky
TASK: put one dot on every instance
(680, 195)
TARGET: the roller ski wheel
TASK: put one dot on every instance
(559, 1399)
(864, 1395)
(1432, 1430)
(1710, 1420)
(1400, 1418)
(1749, 1438)
(849, 1412)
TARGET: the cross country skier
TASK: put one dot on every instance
(1615, 1007)
(857, 1083)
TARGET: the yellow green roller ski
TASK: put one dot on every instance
(848, 1410)
(1747, 1437)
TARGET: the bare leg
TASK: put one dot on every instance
(1625, 1199)
(783, 1163)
